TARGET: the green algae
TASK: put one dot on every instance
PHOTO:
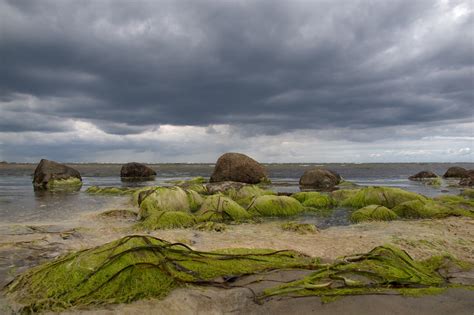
(245, 194)
(275, 206)
(419, 209)
(195, 200)
(210, 226)
(219, 208)
(468, 193)
(456, 201)
(373, 213)
(69, 184)
(136, 267)
(164, 199)
(314, 200)
(96, 190)
(166, 220)
(343, 194)
(385, 268)
(385, 196)
(302, 228)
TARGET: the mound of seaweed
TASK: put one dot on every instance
(96, 190)
(136, 267)
(275, 206)
(383, 268)
(417, 209)
(314, 199)
(218, 208)
(385, 196)
(245, 194)
(167, 220)
(373, 213)
(164, 199)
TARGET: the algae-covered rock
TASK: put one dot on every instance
(342, 194)
(423, 175)
(136, 267)
(302, 228)
(51, 175)
(167, 220)
(468, 192)
(319, 178)
(275, 206)
(238, 167)
(219, 208)
(422, 209)
(164, 199)
(373, 213)
(314, 199)
(96, 190)
(245, 194)
(136, 172)
(195, 200)
(383, 269)
(223, 187)
(384, 196)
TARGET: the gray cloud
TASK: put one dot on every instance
(263, 67)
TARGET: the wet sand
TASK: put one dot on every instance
(25, 245)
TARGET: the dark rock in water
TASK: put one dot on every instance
(468, 180)
(136, 171)
(423, 175)
(50, 174)
(238, 167)
(456, 172)
(221, 187)
(319, 178)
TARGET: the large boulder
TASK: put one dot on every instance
(136, 171)
(468, 180)
(53, 175)
(423, 175)
(456, 172)
(319, 178)
(238, 167)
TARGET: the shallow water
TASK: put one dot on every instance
(19, 203)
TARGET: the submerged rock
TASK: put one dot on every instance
(423, 175)
(136, 171)
(373, 213)
(275, 206)
(238, 167)
(52, 175)
(319, 178)
(456, 172)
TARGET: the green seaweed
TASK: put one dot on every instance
(247, 193)
(195, 200)
(136, 267)
(314, 200)
(343, 194)
(385, 268)
(69, 184)
(96, 190)
(166, 220)
(419, 209)
(385, 196)
(164, 199)
(219, 208)
(302, 228)
(373, 213)
(468, 192)
(275, 206)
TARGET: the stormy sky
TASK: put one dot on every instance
(283, 81)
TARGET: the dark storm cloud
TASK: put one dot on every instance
(273, 65)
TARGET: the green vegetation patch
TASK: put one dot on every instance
(72, 183)
(195, 200)
(468, 192)
(245, 195)
(167, 220)
(343, 194)
(382, 269)
(423, 209)
(219, 208)
(164, 199)
(385, 196)
(373, 213)
(314, 200)
(275, 206)
(302, 228)
(136, 267)
(96, 190)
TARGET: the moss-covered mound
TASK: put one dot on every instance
(302, 228)
(245, 195)
(69, 184)
(468, 192)
(343, 194)
(218, 208)
(385, 196)
(164, 199)
(418, 209)
(385, 268)
(195, 200)
(373, 213)
(167, 220)
(275, 206)
(314, 200)
(136, 267)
